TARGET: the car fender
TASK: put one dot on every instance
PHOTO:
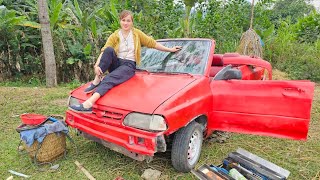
(203, 122)
(189, 104)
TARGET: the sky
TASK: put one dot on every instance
(316, 3)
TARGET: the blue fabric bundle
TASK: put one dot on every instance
(38, 134)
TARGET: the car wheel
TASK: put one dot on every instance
(186, 147)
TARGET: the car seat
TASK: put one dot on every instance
(216, 65)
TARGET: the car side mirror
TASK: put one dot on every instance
(228, 73)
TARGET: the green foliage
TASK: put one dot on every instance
(30, 81)
(72, 85)
(87, 49)
(267, 33)
(157, 18)
(219, 22)
(292, 9)
(10, 39)
(80, 28)
(299, 60)
(308, 28)
(55, 7)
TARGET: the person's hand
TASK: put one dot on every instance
(98, 71)
(176, 48)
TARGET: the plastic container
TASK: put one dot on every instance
(236, 175)
(32, 119)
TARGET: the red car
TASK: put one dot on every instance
(175, 100)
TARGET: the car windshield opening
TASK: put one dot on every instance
(191, 59)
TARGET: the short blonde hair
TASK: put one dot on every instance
(126, 13)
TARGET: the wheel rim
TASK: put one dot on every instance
(194, 148)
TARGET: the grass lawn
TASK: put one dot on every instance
(301, 158)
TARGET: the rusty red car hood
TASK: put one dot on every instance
(142, 93)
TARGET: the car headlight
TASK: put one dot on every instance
(73, 101)
(145, 121)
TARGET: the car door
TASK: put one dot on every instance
(271, 108)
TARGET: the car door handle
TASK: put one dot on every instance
(292, 91)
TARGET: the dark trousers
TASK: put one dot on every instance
(120, 70)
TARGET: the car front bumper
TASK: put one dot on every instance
(135, 143)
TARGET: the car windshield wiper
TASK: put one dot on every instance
(173, 73)
(144, 70)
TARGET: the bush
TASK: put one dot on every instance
(308, 28)
(79, 30)
(299, 60)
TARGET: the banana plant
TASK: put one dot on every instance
(187, 25)
(55, 8)
(188, 5)
(9, 18)
(83, 43)
(109, 16)
(9, 38)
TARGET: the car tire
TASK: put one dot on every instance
(186, 147)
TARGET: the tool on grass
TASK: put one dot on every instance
(248, 174)
(258, 166)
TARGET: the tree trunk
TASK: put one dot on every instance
(50, 62)
(189, 4)
(187, 20)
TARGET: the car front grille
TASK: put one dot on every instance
(113, 115)
(109, 113)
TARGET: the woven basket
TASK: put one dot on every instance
(52, 147)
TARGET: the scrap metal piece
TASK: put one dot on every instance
(161, 144)
(18, 174)
(279, 170)
(55, 167)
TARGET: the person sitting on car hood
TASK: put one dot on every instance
(119, 56)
